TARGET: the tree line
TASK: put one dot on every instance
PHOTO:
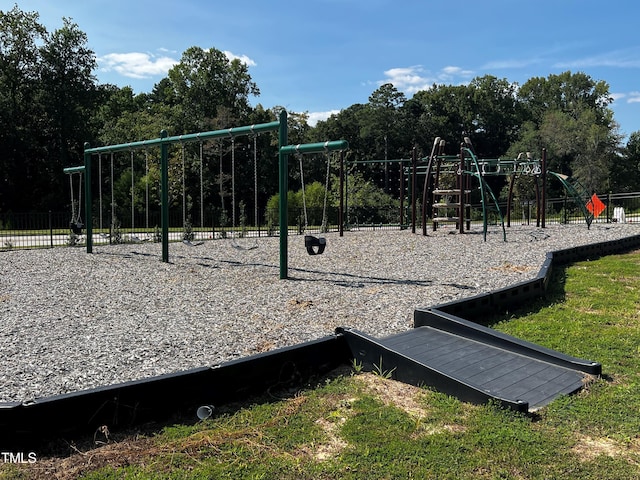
(51, 104)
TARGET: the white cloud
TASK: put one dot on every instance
(508, 64)
(243, 58)
(140, 65)
(625, 58)
(415, 78)
(136, 65)
(451, 73)
(315, 117)
(634, 97)
(409, 79)
(456, 71)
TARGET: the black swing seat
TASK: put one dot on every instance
(314, 245)
(76, 227)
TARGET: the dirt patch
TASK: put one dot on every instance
(407, 398)
(394, 393)
(510, 267)
(295, 304)
(334, 444)
(262, 347)
(126, 452)
(589, 448)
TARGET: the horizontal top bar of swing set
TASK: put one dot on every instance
(315, 147)
(191, 137)
(74, 169)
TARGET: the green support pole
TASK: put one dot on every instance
(341, 210)
(164, 195)
(88, 214)
(283, 172)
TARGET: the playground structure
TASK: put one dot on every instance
(448, 187)
(454, 183)
(314, 246)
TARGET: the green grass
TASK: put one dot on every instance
(364, 426)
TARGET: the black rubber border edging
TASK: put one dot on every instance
(31, 424)
(476, 307)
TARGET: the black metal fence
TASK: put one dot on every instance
(51, 229)
(620, 207)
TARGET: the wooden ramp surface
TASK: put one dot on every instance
(498, 372)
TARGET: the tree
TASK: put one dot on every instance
(625, 172)
(67, 97)
(447, 112)
(345, 125)
(47, 95)
(206, 80)
(570, 93)
(20, 110)
(381, 125)
(497, 115)
(570, 116)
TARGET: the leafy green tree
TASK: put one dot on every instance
(68, 97)
(447, 112)
(20, 110)
(381, 126)
(206, 80)
(47, 93)
(497, 115)
(625, 173)
(569, 115)
(567, 92)
(345, 125)
(487, 111)
(368, 203)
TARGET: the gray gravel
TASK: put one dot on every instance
(71, 321)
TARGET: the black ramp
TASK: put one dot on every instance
(499, 372)
(466, 368)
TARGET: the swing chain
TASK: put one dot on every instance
(325, 219)
(76, 222)
(304, 200)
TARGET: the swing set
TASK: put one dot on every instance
(313, 245)
(75, 224)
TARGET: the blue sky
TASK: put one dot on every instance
(320, 56)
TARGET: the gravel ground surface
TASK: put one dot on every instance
(71, 321)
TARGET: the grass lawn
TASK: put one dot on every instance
(364, 426)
